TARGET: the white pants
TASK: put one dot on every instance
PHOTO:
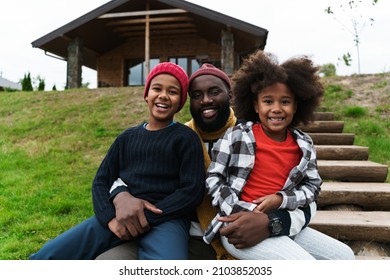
(309, 244)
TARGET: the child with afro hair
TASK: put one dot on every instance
(265, 163)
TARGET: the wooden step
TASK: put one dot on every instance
(354, 225)
(344, 152)
(324, 116)
(323, 127)
(369, 258)
(352, 170)
(367, 195)
(332, 138)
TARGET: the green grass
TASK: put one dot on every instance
(53, 142)
(371, 126)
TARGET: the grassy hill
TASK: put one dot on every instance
(52, 143)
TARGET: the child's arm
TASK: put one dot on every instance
(225, 176)
(304, 183)
(107, 173)
(191, 189)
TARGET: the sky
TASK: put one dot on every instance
(299, 27)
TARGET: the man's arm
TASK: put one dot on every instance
(249, 228)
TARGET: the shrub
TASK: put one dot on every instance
(328, 70)
(354, 111)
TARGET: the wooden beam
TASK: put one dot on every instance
(147, 41)
(151, 20)
(143, 13)
(160, 33)
(352, 170)
(154, 27)
(332, 138)
(323, 126)
(367, 195)
(342, 152)
(354, 225)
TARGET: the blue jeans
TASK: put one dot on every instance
(90, 238)
(166, 241)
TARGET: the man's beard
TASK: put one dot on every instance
(217, 124)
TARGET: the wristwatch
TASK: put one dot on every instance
(275, 225)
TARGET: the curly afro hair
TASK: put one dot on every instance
(262, 69)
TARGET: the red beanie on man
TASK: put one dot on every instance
(173, 70)
(209, 69)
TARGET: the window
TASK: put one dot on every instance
(136, 75)
(190, 65)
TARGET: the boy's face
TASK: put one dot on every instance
(209, 102)
(163, 100)
(276, 107)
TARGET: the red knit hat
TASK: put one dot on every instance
(209, 69)
(173, 70)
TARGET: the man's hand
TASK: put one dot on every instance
(130, 213)
(245, 228)
(119, 230)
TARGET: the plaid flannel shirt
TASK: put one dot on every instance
(233, 157)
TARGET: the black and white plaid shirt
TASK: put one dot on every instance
(232, 160)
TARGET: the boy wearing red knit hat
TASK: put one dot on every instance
(148, 185)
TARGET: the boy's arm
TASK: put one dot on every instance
(189, 195)
(107, 173)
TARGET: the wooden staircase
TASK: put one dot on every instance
(354, 203)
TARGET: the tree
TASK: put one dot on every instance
(357, 21)
(41, 83)
(328, 70)
(26, 82)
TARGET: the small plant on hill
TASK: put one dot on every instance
(354, 111)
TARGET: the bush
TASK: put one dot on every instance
(328, 70)
(354, 111)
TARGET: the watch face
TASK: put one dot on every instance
(276, 226)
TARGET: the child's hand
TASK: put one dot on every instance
(268, 203)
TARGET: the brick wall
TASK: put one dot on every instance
(111, 66)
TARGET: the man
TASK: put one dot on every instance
(210, 93)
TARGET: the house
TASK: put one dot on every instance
(123, 39)
(7, 84)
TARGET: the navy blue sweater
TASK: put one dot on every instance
(164, 167)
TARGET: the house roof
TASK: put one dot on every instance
(117, 21)
(4, 83)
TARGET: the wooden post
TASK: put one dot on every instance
(147, 42)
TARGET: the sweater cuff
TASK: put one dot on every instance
(116, 191)
(286, 221)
